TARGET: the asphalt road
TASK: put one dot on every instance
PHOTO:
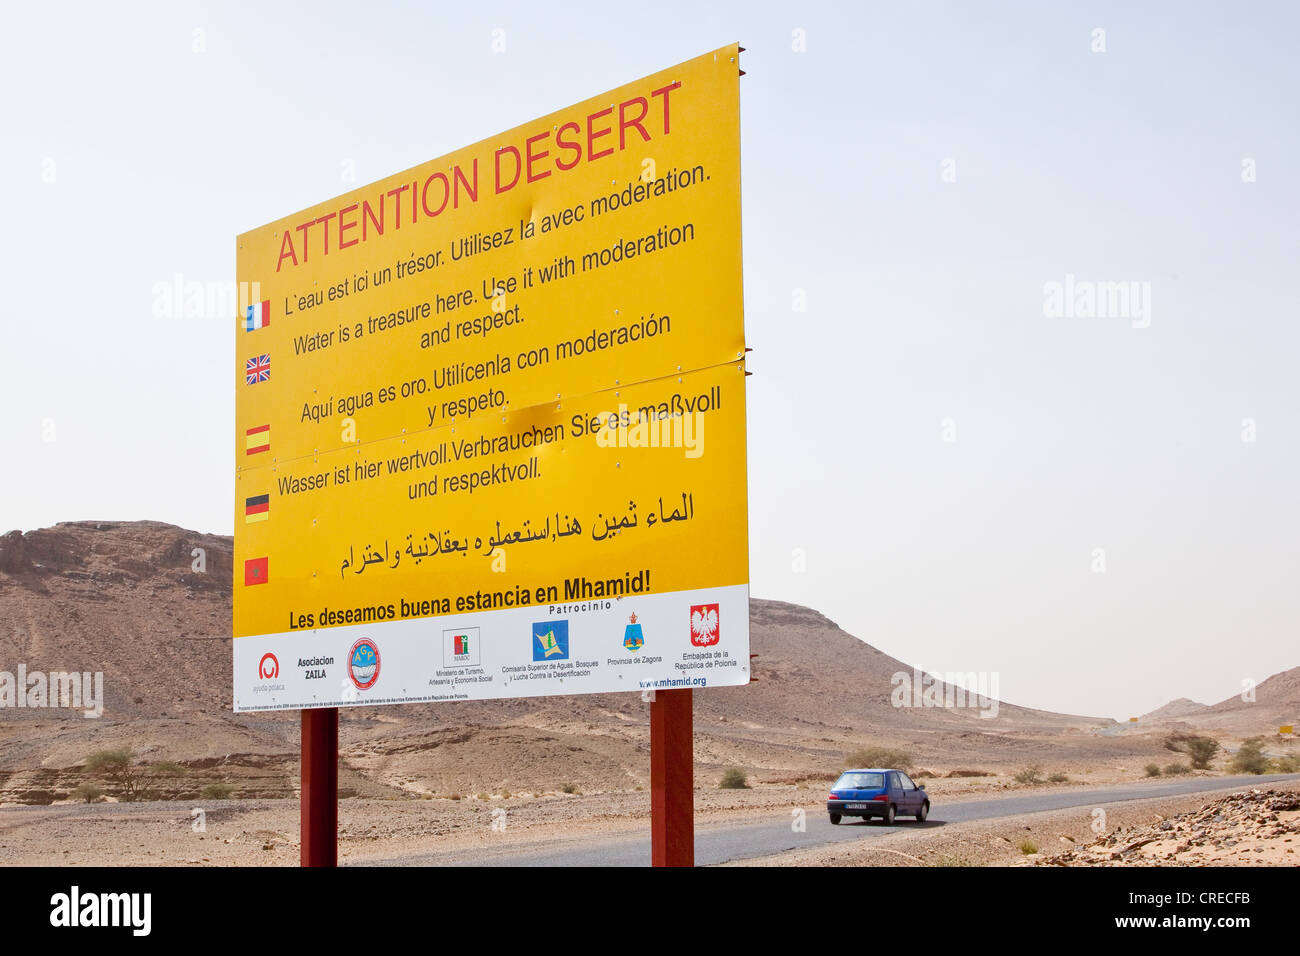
(719, 843)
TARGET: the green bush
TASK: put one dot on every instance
(134, 781)
(87, 792)
(1153, 770)
(1028, 846)
(117, 765)
(878, 757)
(1250, 757)
(733, 778)
(1177, 769)
(1031, 774)
(1200, 750)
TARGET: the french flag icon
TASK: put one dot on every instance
(257, 315)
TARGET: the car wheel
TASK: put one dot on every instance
(923, 812)
(888, 818)
(835, 819)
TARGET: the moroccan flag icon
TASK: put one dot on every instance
(255, 571)
(257, 508)
(257, 316)
(257, 439)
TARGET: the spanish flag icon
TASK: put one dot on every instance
(255, 571)
(257, 439)
(257, 508)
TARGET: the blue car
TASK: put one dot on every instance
(876, 792)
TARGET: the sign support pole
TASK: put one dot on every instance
(672, 779)
(319, 827)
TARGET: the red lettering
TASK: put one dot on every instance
(665, 91)
(344, 226)
(325, 220)
(424, 194)
(458, 178)
(514, 152)
(592, 136)
(534, 157)
(286, 250)
(568, 144)
(624, 123)
(368, 217)
(304, 229)
(397, 203)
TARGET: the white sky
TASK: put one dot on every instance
(128, 159)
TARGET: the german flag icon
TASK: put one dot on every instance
(255, 571)
(257, 508)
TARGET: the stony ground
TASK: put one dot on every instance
(1251, 828)
(265, 831)
(1060, 837)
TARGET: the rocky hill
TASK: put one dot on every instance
(149, 606)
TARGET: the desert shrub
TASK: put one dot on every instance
(1028, 846)
(456, 796)
(1250, 757)
(570, 788)
(1200, 750)
(484, 796)
(1058, 777)
(1177, 769)
(878, 757)
(134, 781)
(1153, 770)
(733, 778)
(117, 766)
(217, 791)
(1289, 763)
(952, 860)
(505, 794)
(87, 792)
(1031, 774)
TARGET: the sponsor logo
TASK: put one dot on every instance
(460, 647)
(633, 639)
(268, 668)
(313, 668)
(706, 626)
(551, 641)
(363, 664)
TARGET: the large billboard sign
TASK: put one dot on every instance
(490, 417)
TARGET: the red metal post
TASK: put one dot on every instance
(672, 779)
(319, 829)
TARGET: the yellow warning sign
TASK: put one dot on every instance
(488, 405)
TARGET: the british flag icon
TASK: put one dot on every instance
(257, 370)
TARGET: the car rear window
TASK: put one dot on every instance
(860, 781)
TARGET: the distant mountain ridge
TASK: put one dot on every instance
(149, 605)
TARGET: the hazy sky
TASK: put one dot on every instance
(945, 454)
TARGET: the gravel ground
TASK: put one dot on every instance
(999, 842)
